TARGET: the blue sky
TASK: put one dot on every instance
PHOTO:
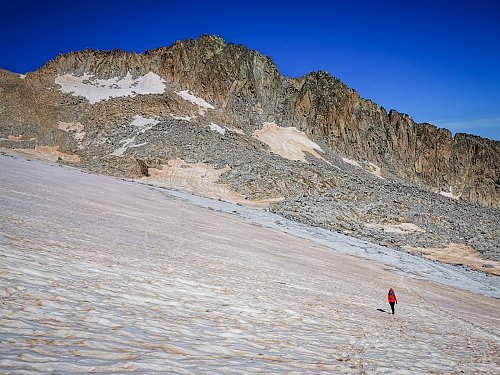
(438, 61)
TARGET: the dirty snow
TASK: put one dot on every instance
(183, 118)
(371, 168)
(402, 228)
(95, 90)
(289, 142)
(352, 162)
(375, 170)
(14, 138)
(234, 129)
(102, 275)
(125, 144)
(456, 253)
(200, 102)
(73, 126)
(76, 128)
(199, 178)
(449, 194)
(143, 123)
(217, 128)
(48, 153)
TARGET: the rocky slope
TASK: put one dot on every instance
(220, 120)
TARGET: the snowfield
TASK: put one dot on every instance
(95, 89)
(104, 275)
(288, 142)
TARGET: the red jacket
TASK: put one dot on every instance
(391, 297)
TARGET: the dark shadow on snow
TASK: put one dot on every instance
(381, 310)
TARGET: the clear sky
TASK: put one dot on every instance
(438, 61)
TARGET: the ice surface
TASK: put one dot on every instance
(95, 90)
(103, 275)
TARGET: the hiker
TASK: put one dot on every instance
(391, 297)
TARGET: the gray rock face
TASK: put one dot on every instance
(246, 91)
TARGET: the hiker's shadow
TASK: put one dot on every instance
(381, 310)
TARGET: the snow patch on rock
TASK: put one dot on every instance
(449, 194)
(95, 89)
(289, 143)
(74, 127)
(217, 128)
(200, 102)
(143, 123)
(403, 228)
(375, 170)
(126, 143)
(183, 118)
(352, 162)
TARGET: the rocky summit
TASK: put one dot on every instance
(219, 120)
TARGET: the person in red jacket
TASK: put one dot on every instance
(391, 297)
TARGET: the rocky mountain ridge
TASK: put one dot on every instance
(219, 119)
(247, 86)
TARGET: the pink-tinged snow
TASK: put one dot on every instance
(200, 102)
(352, 162)
(371, 168)
(95, 90)
(76, 128)
(290, 143)
(402, 228)
(102, 275)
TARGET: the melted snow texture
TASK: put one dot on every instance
(95, 90)
(102, 275)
